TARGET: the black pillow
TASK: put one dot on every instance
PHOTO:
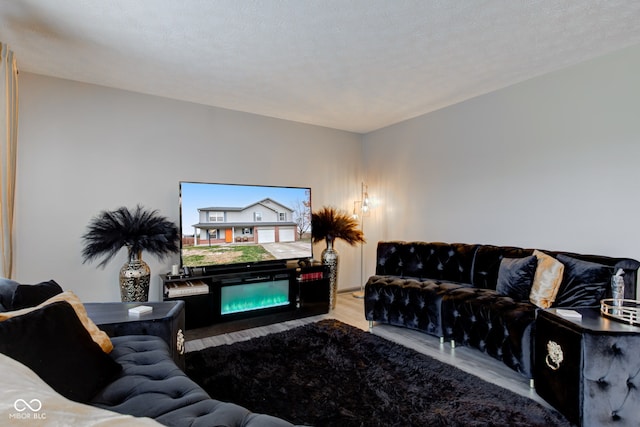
(55, 345)
(7, 289)
(584, 283)
(32, 295)
(515, 277)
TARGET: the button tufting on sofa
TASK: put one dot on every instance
(451, 289)
(151, 385)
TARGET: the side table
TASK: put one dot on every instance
(165, 321)
(588, 367)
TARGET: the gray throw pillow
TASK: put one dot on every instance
(584, 283)
(515, 277)
(7, 289)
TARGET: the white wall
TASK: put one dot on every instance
(85, 148)
(551, 163)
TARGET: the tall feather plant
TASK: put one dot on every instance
(139, 230)
(330, 223)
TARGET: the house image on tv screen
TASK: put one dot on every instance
(265, 221)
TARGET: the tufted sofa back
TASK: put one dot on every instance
(439, 261)
(486, 263)
(474, 264)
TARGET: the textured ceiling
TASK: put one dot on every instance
(356, 65)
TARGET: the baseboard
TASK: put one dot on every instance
(349, 290)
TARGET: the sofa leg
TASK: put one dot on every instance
(453, 343)
(531, 384)
(441, 340)
(370, 325)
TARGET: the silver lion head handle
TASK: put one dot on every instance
(554, 355)
(180, 342)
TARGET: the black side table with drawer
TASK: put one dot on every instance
(588, 367)
(165, 321)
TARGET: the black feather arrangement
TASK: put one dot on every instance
(331, 223)
(138, 230)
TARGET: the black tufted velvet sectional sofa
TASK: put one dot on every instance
(449, 290)
(52, 353)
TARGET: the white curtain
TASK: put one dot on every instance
(8, 147)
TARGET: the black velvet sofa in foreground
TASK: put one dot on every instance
(59, 368)
(485, 296)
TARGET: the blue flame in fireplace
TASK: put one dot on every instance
(254, 296)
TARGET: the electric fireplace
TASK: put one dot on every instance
(248, 297)
(243, 297)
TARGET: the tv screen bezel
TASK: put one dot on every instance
(243, 265)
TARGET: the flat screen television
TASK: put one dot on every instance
(241, 226)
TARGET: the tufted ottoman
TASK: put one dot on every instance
(589, 368)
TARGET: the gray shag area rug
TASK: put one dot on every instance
(332, 374)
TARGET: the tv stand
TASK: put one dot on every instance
(230, 295)
(240, 268)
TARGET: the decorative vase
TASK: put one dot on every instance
(330, 258)
(134, 278)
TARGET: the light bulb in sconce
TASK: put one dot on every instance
(354, 215)
(365, 198)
